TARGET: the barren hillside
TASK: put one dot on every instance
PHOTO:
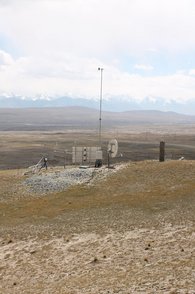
(63, 118)
(128, 230)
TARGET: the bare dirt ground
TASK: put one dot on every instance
(130, 230)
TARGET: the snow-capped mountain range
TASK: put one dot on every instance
(109, 104)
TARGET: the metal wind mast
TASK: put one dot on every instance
(100, 113)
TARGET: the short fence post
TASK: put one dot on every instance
(162, 151)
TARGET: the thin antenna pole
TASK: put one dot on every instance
(100, 114)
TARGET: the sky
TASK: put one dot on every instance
(54, 47)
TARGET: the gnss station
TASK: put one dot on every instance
(91, 155)
(86, 156)
(94, 155)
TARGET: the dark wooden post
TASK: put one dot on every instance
(108, 159)
(162, 151)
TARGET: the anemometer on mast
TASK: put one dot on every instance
(100, 113)
(112, 148)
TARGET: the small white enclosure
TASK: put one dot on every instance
(86, 155)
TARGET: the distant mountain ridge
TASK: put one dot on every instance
(58, 118)
(115, 104)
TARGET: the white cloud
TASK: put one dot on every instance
(192, 72)
(5, 58)
(79, 77)
(100, 27)
(62, 42)
(145, 67)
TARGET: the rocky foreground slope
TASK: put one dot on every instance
(130, 230)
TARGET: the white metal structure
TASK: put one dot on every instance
(86, 155)
(100, 116)
(113, 148)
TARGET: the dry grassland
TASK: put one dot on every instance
(131, 232)
(23, 149)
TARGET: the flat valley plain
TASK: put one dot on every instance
(132, 231)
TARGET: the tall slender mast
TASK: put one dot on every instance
(100, 114)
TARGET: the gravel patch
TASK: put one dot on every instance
(57, 181)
